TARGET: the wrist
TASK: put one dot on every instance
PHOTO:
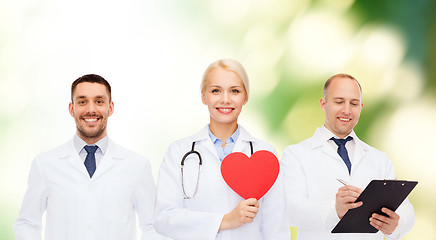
(224, 223)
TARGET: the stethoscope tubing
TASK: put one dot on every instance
(200, 163)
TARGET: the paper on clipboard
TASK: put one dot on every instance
(378, 194)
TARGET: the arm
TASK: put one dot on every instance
(303, 212)
(172, 218)
(28, 225)
(144, 199)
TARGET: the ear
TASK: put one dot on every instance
(203, 97)
(322, 103)
(246, 99)
(71, 109)
(111, 108)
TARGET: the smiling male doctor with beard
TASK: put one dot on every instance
(89, 187)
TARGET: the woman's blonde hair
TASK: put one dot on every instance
(230, 65)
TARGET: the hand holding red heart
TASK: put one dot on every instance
(243, 213)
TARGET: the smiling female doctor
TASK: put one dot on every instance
(195, 202)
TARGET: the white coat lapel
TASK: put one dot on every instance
(243, 142)
(360, 150)
(319, 141)
(203, 137)
(108, 161)
(73, 158)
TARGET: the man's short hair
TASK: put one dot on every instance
(91, 78)
(340, 75)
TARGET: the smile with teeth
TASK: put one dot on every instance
(225, 110)
(90, 120)
(344, 119)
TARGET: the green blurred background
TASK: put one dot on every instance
(154, 53)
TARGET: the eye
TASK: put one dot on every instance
(81, 102)
(215, 91)
(99, 102)
(235, 91)
(339, 102)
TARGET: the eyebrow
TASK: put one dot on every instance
(98, 96)
(237, 86)
(341, 98)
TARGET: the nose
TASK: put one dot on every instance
(225, 97)
(91, 107)
(347, 109)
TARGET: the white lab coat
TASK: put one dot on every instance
(311, 169)
(200, 218)
(81, 208)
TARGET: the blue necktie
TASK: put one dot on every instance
(90, 159)
(342, 151)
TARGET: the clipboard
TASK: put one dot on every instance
(378, 194)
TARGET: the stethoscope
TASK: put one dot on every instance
(200, 162)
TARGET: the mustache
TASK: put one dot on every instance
(92, 115)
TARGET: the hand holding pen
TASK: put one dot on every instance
(346, 197)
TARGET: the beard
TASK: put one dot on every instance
(91, 134)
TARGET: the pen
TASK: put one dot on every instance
(342, 181)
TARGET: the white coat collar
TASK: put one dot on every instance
(319, 140)
(241, 144)
(113, 153)
(204, 134)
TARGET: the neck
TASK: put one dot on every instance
(91, 140)
(342, 136)
(223, 130)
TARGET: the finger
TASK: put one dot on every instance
(348, 193)
(391, 213)
(375, 223)
(351, 188)
(250, 215)
(355, 205)
(251, 201)
(349, 199)
(381, 226)
(352, 205)
(252, 209)
(248, 220)
(346, 200)
(380, 218)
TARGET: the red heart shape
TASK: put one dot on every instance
(250, 177)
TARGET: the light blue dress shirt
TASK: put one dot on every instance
(102, 145)
(228, 148)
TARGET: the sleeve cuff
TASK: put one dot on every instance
(217, 224)
(395, 235)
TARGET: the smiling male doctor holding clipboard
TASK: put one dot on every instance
(316, 200)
